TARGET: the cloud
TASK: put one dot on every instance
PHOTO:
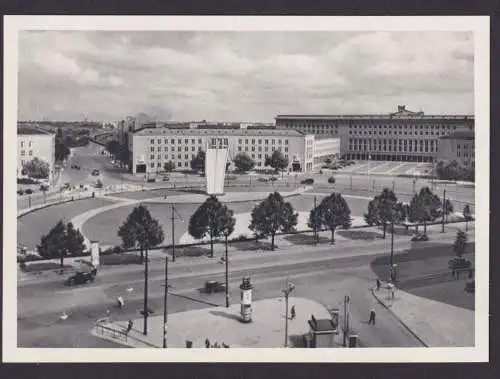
(241, 75)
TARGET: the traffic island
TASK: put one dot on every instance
(221, 325)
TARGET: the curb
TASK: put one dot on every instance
(399, 319)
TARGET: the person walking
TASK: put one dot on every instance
(378, 284)
(292, 312)
(372, 317)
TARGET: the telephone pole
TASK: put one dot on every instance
(227, 276)
(392, 252)
(165, 312)
(444, 209)
(287, 290)
(173, 233)
(145, 310)
(315, 234)
(346, 319)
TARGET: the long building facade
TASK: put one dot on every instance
(152, 148)
(400, 136)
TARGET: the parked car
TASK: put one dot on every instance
(81, 277)
(20, 192)
(459, 263)
(166, 178)
(44, 187)
(263, 180)
(273, 178)
(307, 181)
(95, 172)
(28, 191)
(420, 237)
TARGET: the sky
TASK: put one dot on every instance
(241, 76)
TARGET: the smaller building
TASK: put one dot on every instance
(322, 332)
(33, 142)
(458, 146)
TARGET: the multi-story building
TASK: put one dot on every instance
(32, 143)
(458, 146)
(153, 147)
(400, 136)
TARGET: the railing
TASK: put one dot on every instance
(106, 330)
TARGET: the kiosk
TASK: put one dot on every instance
(246, 300)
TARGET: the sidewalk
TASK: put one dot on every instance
(435, 323)
(220, 324)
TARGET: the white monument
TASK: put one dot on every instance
(215, 165)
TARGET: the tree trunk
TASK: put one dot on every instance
(425, 227)
(211, 246)
(142, 256)
(333, 236)
(272, 241)
(384, 227)
(62, 259)
(466, 225)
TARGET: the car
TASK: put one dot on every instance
(273, 178)
(20, 192)
(213, 286)
(28, 191)
(95, 172)
(262, 180)
(307, 181)
(44, 187)
(151, 180)
(81, 277)
(420, 238)
(166, 178)
(459, 263)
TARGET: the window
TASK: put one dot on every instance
(166, 148)
(193, 140)
(152, 142)
(166, 141)
(30, 143)
(22, 143)
(179, 141)
(186, 164)
(239, 148)
(260, 156)
(186, 156)
(246, 141)
(266, 142)
(260, 142)
(253, 142)
(179, 156)
(152, 165)
(199, 140)
(158, 164)
(152, 149)
(239, 141)
(30, 153)
(286, 149)
(159, 156)
(186, 141)
(173, 156)
(159, 148)
(179, 148)
(186, 148)
(159, 141)
(152, 156)
(193, 148)
(179, 164)
(23, 153)
(172, 141)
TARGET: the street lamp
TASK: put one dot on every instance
(227, 274)
(289, 287)
(346, 319)
(165, 312)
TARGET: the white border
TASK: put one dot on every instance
(479, 25)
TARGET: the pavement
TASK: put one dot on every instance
(223, 325)
(435, 323)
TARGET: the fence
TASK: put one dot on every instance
(113, 333)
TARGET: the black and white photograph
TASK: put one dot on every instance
(307, 187)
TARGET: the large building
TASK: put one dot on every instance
(153, 147)
(458, 146)
(400, 136)
(32, 143)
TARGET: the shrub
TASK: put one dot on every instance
(112, 250)
(28, 191)
(120, 259)
(331, 180)
(307, 181)
(27, 181)
(20, 192)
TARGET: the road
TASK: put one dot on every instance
(324, 275)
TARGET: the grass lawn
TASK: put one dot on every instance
(44, 266)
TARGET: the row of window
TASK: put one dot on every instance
(391, 141)
(395, 132)
(327, 125)
(260, 148)
(30, 143)
(23, 153)
(218, 141)
(407, 146)
(167, 157)
(173, 149)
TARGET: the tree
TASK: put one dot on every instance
(425, 207)
(314, 221)
(61, 241)
(467, 216)
(277, 161)
(371, 217)
(113, 147)
(61, 150)
(212, 218)
(386, 207)
(243, 162)
(448, 207)
(272, 215)
(334, 212)
(169, 166)
(141, 230)
(37, 168)
(198, 162)
(460, 243)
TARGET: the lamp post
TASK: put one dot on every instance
(392, 252)
(315, 235)
(346, 319)
(145, 310)
(165, 312)
(444, 209)
(289, 287)
(227, 274)
(173, 233)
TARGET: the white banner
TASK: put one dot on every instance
(247, 297)
(215, 170)
(95, 253)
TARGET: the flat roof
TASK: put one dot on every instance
(218, 132)
(23, 130)
(374, 117)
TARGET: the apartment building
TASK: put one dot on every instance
(32, 143)
(153, 147)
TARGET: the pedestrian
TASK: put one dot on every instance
(470, 273)
(207, 343)
(372, 317)
(130, 325)
(453, 273)
(120, 302)
(292, 312)
(378, 284)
